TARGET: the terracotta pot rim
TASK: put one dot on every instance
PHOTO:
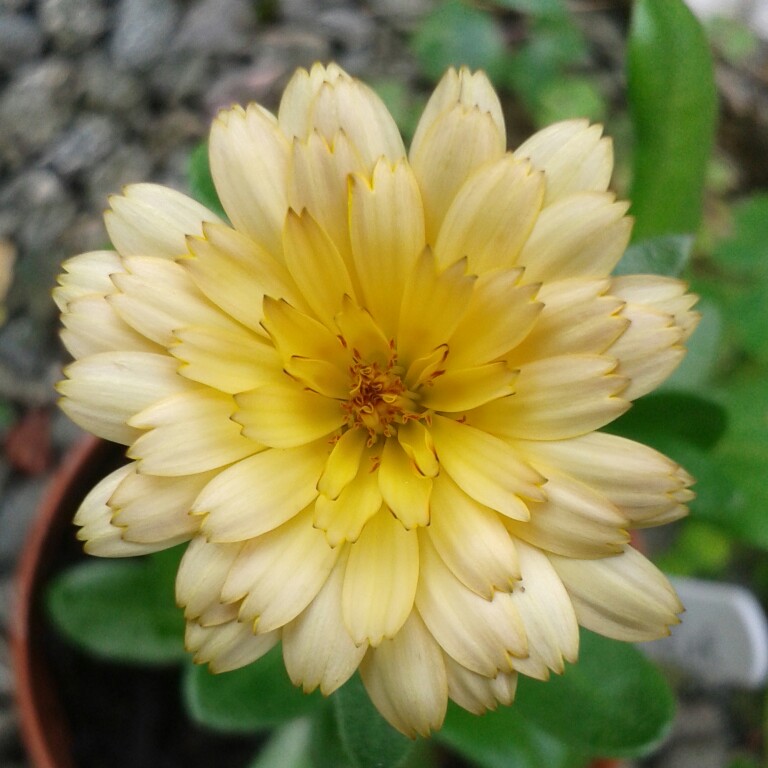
(44, 731)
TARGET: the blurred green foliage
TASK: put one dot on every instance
(103, 606)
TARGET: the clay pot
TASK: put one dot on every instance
(44, 729)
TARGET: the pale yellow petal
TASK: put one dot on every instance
(94, 517)
(319, 377)
(363, 335)
(582, 235)
(317, 648)
(459, 142)
(642, 483)
(102, 392)
(405, 491)
(491, 216)
(572, 155)
(648, 351)
(217, 614)
(91, 326)
(480, 634)
(547, 614)
(235, 273)
(556, 398)
(152, 220)
(500, 314)
(283, 414)
(416, 440)
(228, 360)
(278, 574)
(189, 433)
(380, 580)
(249, 159)
(466, 88)
(351, 107)
(575, 521)
(624, 597)
(315, 265)
(152, 509)
(343, 463)
(660, 320)
(664, 294)
(228, 646)
(343, 518)
(486, 468)
(462, 389)
(406, 680)
(425, 368)
(157, 297)
(431, 307)
(298, 99)
(86, 274)
(201, 575)
(577, 318)
(320, 183)
(260, 493)
(296, 334)
(471, 540)
(386, 221)
(478, 693)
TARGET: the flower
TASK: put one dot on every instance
(371, 401)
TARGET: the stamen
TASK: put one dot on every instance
(378, 399)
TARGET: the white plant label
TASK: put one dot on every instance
(723, 637)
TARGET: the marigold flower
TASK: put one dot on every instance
(371, 401)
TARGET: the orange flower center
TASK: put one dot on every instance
(378, 399)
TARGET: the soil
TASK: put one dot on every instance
(133, 717)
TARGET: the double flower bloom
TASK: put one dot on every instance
(370, 402)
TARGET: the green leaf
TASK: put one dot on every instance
(7, 411)
(613, 702)
(370, 741)
(741, 283)
(686, 415)
(502, 739)
(742, 454)
(256, 697)
(567, 97)
(743, 301)
(700, 550)
(201, 184)
(455, 34)
(673, 104)
(288, 747)
(746, 762)
(665, 255)
(121, 610)
(538, 67)
(533, 7)
(746, 249)
(326, 747)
